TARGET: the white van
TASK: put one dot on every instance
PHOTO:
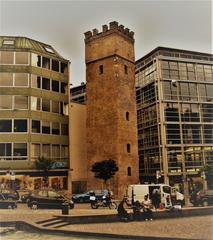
(138, 191)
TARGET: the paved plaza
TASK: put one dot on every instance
(199, 227)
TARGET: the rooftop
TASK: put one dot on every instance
(24, 43)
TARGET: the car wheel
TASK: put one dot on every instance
(205, 203)
(34, 206)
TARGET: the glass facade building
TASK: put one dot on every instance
(174, 94)
(34, 82)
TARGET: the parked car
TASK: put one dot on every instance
(47, 199)
(9, 194)
(85, 197)
(202, 198)
(7, 203)
(23, 195)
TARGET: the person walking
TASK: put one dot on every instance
(156, 198)
(147, 212)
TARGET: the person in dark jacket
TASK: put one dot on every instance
(122, 213)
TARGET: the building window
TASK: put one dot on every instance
(5, 151)
(127, 116)
(35, 81)
(129, 171)
(63, 87)
(64, 68)
(56, 151)
(36, 60)
(125, 69)
(55, 86)
(36, 126)
(21, 58)
(46, 105)
(64, 129)
(8, 42)
(5, 125)
(64, 152)
(46, 150)
(21, 80)
(55, 107)
(46, 83)
(5, 102)
(20, 102)
(55, 128)
(48, 49)
(6, 57)
(46, 62)
(35, 151)
(19, 151)
(55, 65)
(6, 79)
(46, 127)
(35, 104)
(128, 148)
(101, 69)
(20, 125)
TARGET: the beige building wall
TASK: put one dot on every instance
(78, 162)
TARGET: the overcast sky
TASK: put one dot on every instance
(177, 24)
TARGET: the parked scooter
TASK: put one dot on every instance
(104, 202)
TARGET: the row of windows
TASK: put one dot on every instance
(190, 71)
(22, 80)
(146, 94)
(37, 126)
(9, 57)
(19, 151)
(187, 91)
(9, 102)
(188, 112)
(48, 127)
(192, 134)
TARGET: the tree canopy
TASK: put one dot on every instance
(208, 169)
(105, 169)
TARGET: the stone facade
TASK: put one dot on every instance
(111, 107)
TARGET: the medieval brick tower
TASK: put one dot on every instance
(111, 105)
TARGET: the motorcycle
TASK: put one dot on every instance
(104, 202)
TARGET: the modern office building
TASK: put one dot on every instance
(34, 83)
(174, 94)
(78, 93)
(111, 108)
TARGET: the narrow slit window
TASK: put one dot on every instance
(129, 171)
(128, 148)
(126, 69)
(101, 69)
(127, 116)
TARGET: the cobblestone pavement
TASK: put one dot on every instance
(200, 227)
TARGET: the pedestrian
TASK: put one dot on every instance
(156, 198)
(137, 210)
(122, 213)
(147, 212)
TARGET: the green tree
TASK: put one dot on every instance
(105, 169)
(44, 164)
(208, 170)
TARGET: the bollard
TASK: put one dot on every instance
(65, 208)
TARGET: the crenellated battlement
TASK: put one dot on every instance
(113, 27)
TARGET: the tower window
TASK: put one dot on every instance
(127, 116)
(128, 148)
(101, 69)
(125, 69)
(129, 171)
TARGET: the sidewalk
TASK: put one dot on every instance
(102, 223)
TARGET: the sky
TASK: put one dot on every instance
(182, 24)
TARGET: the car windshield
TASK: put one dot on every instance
(53, 194)
(166, 189)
